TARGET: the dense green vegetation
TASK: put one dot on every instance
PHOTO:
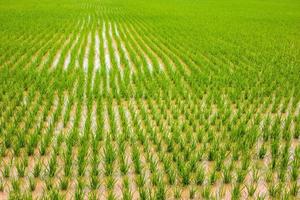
(160, 99)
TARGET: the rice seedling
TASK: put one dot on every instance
(32, 184)
(1, 185)
(64, 184)
(37, 169)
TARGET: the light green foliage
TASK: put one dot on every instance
(160, 99)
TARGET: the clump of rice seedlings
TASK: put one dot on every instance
(124, 167)
(16, 196)
(171, 176)
(126, 193)
(155, 179)
(49, 184)
(111, 196)
(236, 192)
(81, 160)
(93, 196)
(141, 181)
(54, 194)
(2, 151)
(79, 193)
(109, 158)
(269, 176)
(1, 185)
(16, 185)
(206, 192)
(32, 144)
(64, 183)
(110, 182)
(52, 166)
(16, 149)
(200, 176)
(192, 193)
(32, 184)
(37, 169)
(294, 189)
(177, 193)
(160, 193)
(6, 170)
(295, 170)
(94, 183)
(273, 190)
(241, 174)
(213, 177)
(251, 189)
(227, 176)
(143, 194)
(185, 174)
(21, 167)
(136, 160)
(255, 174)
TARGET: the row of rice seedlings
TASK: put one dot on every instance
(12, 56)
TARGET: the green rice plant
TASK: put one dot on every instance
(95, 164)
(273, 190)
(140, 181)
(255, 174)
(79, 194)
(32, 184)
(227, 176)
(109, 157)
(192, 193)
(262, 152)
(160, 192)
(111, 196)
(81, 162)
(126, 193)
(153, 164)
(6, 170)
(295, 170)
(37, 169)
(64, 184)
(143, 194)
(54, 194)
(16, 185)
(2, 151)
(177, 193)
(32, 144)
(297, 131)
(155, 179)
(171, 176)
(1, 185)
(49, 184)
(124, 167)
(94, 183)
(136, 160)
(93, 196)
(294, 189)
(110, 183)
(213, 177)
(251, 189)
(16, 149)
(21, 168)
(52, 166)
(269, 176)
(206, 192)
(241, 174)
(236, 192)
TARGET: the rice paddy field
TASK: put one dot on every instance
(160, 99)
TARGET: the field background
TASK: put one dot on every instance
(159, 99)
